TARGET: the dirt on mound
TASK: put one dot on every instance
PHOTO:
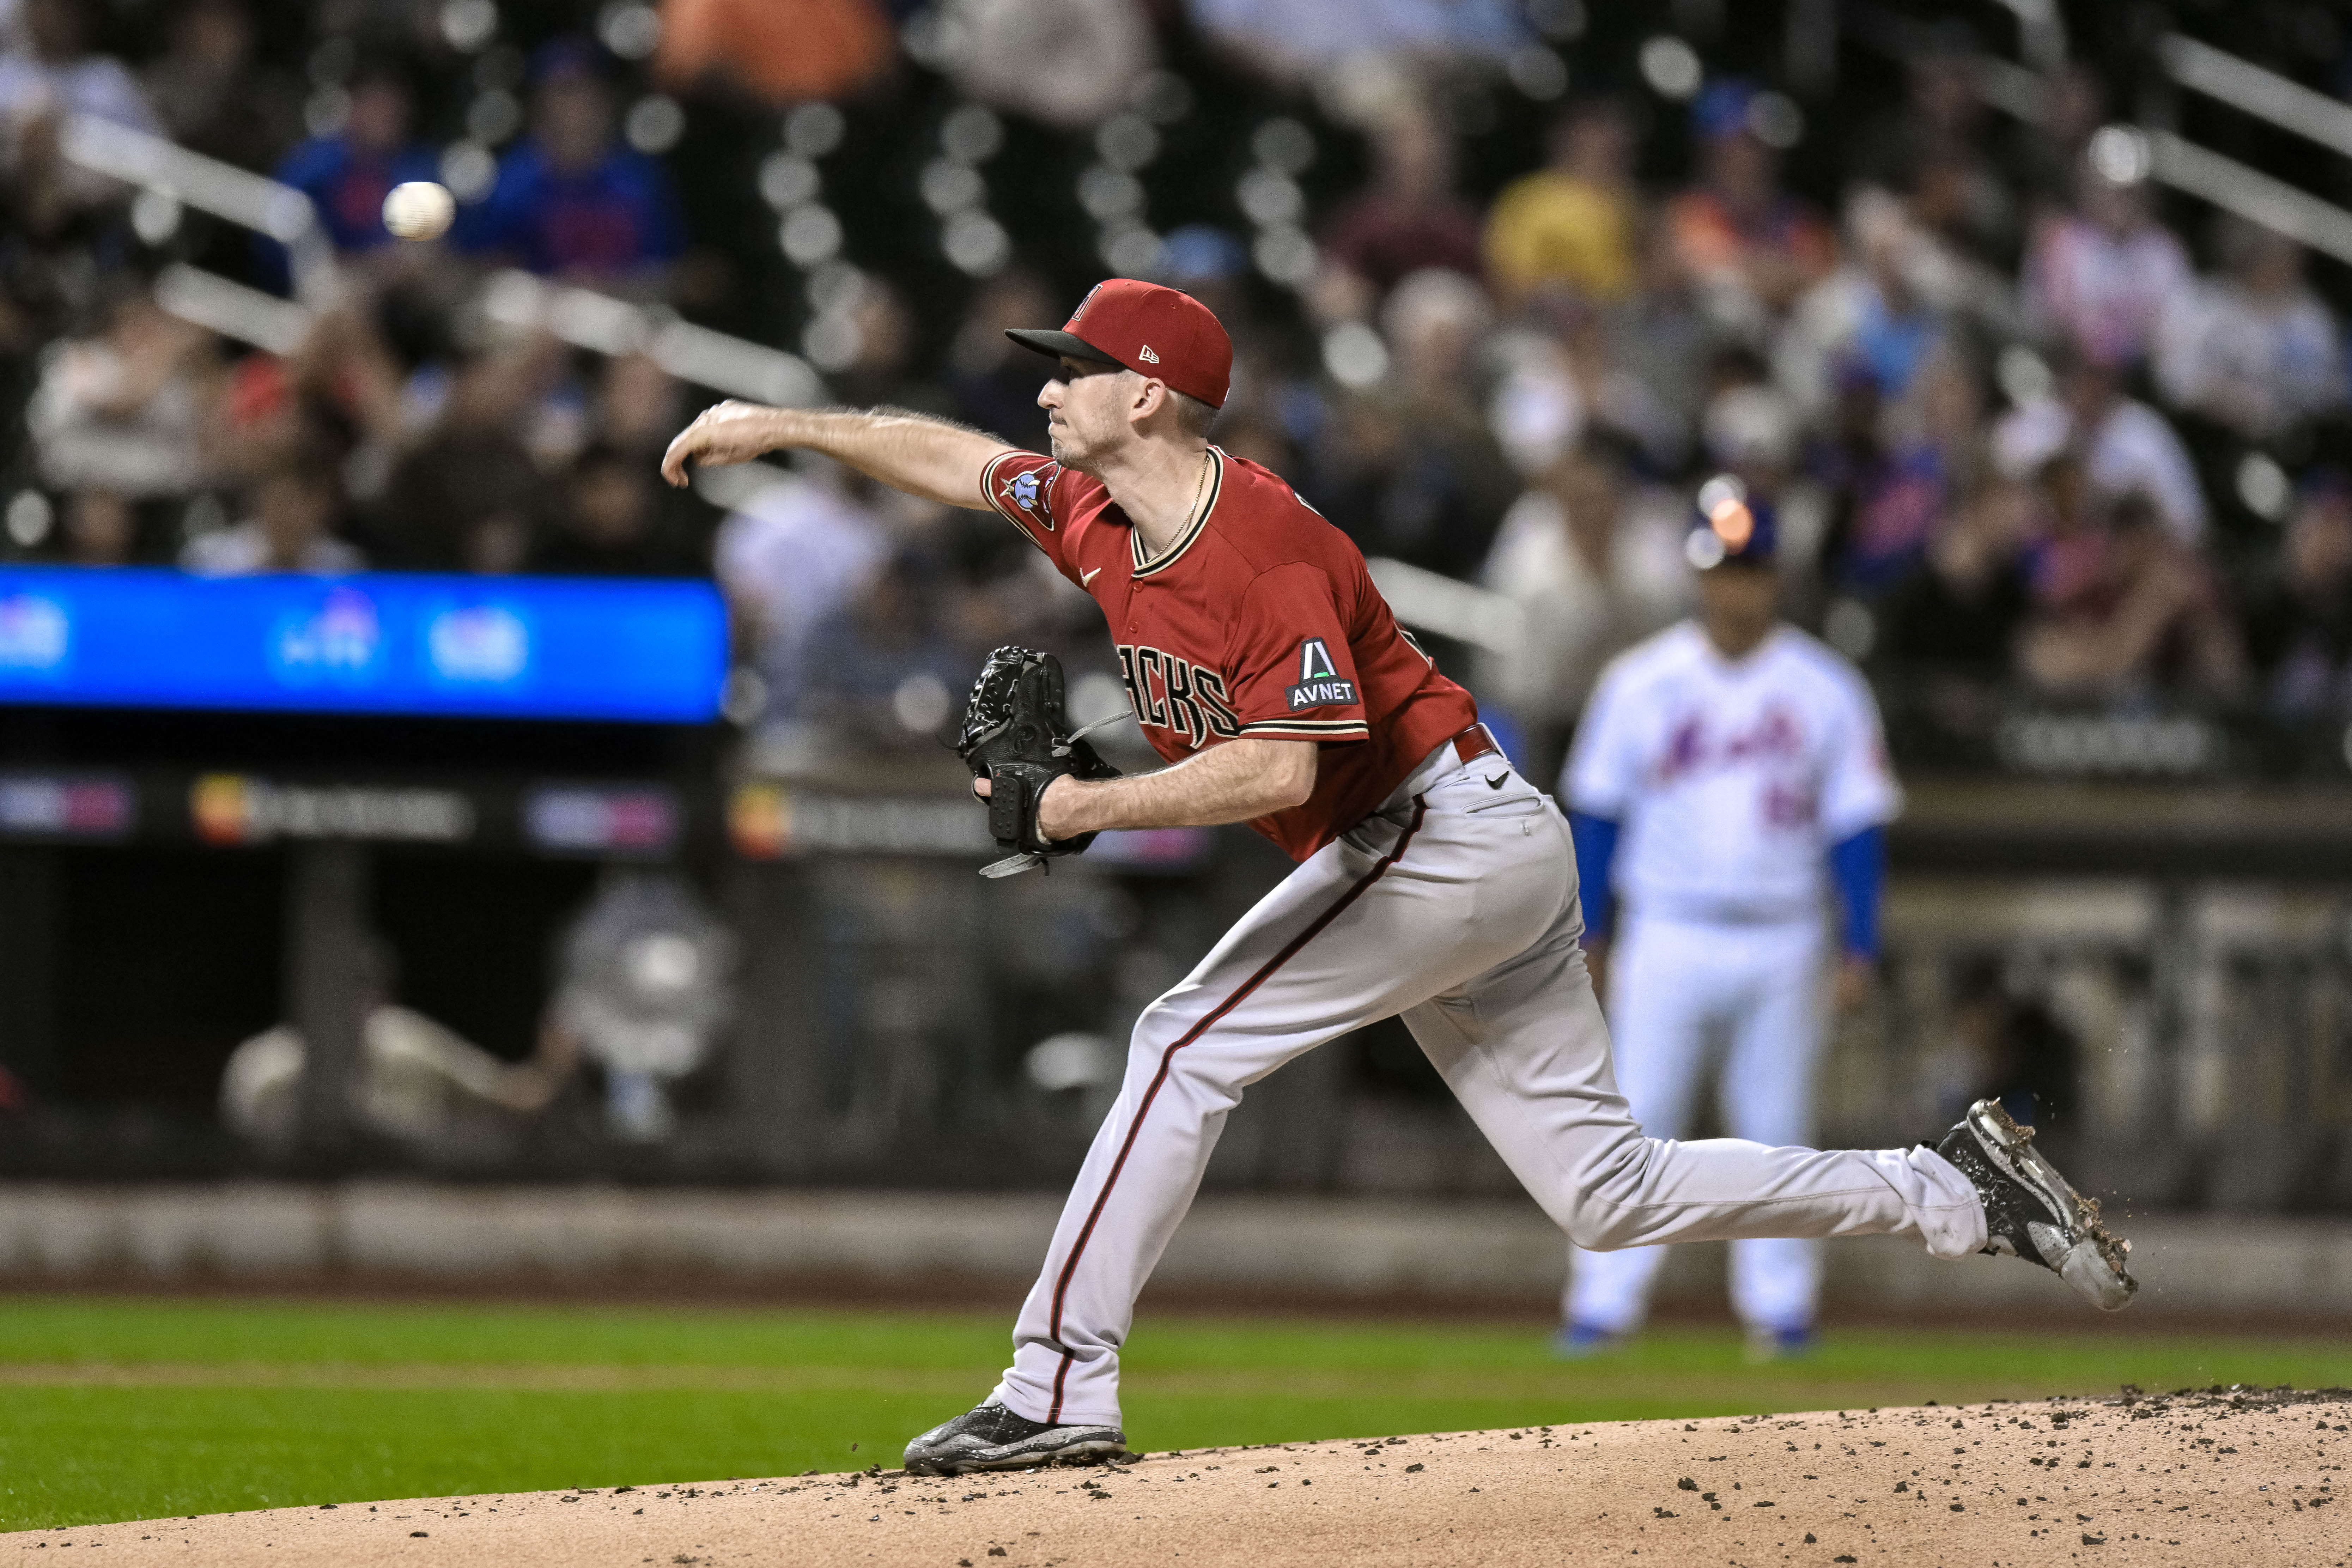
(2215, 1477)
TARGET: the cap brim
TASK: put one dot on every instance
(1057, 345)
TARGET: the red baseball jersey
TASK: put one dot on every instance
(1261, 620)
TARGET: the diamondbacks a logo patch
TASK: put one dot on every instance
(1318, 684)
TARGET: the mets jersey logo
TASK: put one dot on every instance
(1319, 685)
(1773, 747)
(1692, 747)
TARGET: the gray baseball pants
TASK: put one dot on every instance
(1454, 905)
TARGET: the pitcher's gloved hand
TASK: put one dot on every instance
(1017, 737)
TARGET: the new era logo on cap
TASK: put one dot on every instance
(1153, 331)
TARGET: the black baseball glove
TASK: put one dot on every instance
(1016, 736)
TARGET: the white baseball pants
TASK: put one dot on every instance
(1457, 907)
(1674, 986)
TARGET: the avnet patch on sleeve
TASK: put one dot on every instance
(1288, 663)
(1319, 684)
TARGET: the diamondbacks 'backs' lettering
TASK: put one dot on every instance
(1169, 692)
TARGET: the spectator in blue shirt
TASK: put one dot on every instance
(348, 174)
(569, 200)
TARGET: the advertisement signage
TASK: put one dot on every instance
(506, 648)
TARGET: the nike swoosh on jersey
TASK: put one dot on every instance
(1497, 781)
(1087, 579)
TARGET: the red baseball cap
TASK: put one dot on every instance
(1153, 331)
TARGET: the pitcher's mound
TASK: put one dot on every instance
(2221, 1476)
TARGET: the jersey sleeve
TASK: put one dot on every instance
(1288, 665)
(1032, 492)
(1858, 787)
(1603, 773)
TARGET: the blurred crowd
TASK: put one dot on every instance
(2030, 430)
(394, 430)
(2021, 444)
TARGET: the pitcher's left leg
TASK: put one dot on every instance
(1241, 1013)
(1369, 926)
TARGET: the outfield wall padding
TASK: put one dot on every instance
(1248, 1250)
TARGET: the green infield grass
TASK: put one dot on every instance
(128, 1408)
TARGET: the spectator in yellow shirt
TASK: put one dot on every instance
(1573, 225)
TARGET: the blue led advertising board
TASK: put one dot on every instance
(492, 647)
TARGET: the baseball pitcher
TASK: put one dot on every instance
(1728, 772)
(1432, 881)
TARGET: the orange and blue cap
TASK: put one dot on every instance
(1731, 527)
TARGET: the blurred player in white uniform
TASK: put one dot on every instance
(1729, 785)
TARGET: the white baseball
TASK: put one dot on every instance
(419, 210)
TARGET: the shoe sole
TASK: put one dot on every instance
(2092, 1261)
(1755, 1353)
(1565, 1349)
(1091, 1451)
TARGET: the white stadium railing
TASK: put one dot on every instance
(517, 300)
(1448, 607)
(232, 309)
(2251, 194)
(2193, 169)
(209, 186)
(2264, 94)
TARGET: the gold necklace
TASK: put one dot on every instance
(1193, 512)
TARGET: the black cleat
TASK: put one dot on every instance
(2031, 1212)
(994, 1438)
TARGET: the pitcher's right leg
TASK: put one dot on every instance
(1525, 1048)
